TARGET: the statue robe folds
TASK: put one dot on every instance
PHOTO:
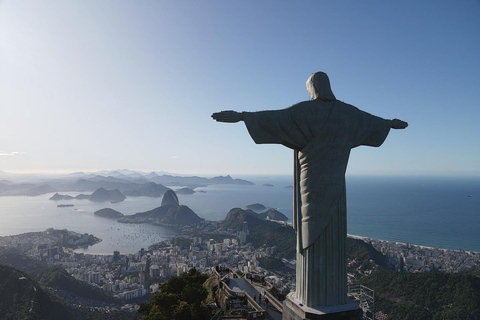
(321, 133)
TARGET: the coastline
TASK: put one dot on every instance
(401, 256)
(409, 244)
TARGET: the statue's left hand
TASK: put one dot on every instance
(228, 116)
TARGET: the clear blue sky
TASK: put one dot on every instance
(90, 85)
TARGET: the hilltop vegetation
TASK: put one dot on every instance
(19, 274)
(182, 297)
(425, 296)
(262, 232)
(364, 256)
(53, 276)
(12, 257)
(273, 264)
(56, 277)
(24, 298)
(268, 233)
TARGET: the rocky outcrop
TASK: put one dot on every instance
(169, 213)
(170, 199)
(236, 216)
(273, 214)
(103, 195)
(264, 214)
(58, 196)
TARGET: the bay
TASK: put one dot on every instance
(429, 211)
(20, 214)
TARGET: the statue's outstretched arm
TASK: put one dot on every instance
(398, 124)
(228, 116)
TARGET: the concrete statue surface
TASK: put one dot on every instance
(321, 131)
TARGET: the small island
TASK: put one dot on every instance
(268, 185)
(58, 196)
(108, 213)
(185, 191)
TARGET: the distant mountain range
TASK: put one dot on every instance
(100, 195)
(8, 188)
(129, 183)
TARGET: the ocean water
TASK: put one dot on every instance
(429, 211)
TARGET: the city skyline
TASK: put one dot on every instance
(89, 86)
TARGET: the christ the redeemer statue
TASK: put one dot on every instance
(321, 131)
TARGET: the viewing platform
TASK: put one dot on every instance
(240, 299)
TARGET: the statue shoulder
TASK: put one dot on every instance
(304, 105)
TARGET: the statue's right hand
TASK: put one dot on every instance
(398, 124)
(228, 116)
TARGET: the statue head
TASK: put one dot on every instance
(318, 86)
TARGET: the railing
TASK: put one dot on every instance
(230, 292)
(217, 316)
(217, 274)
(274, 302)
(366, 299)
(258, 310)
(253, 303)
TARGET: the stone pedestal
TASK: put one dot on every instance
(292, 310)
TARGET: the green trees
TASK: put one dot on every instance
(425, 296)
(56, 277)
(179, 298)
(24, 298)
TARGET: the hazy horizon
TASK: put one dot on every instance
(236, 175)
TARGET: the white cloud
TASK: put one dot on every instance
(10, 154)
(174, 157)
